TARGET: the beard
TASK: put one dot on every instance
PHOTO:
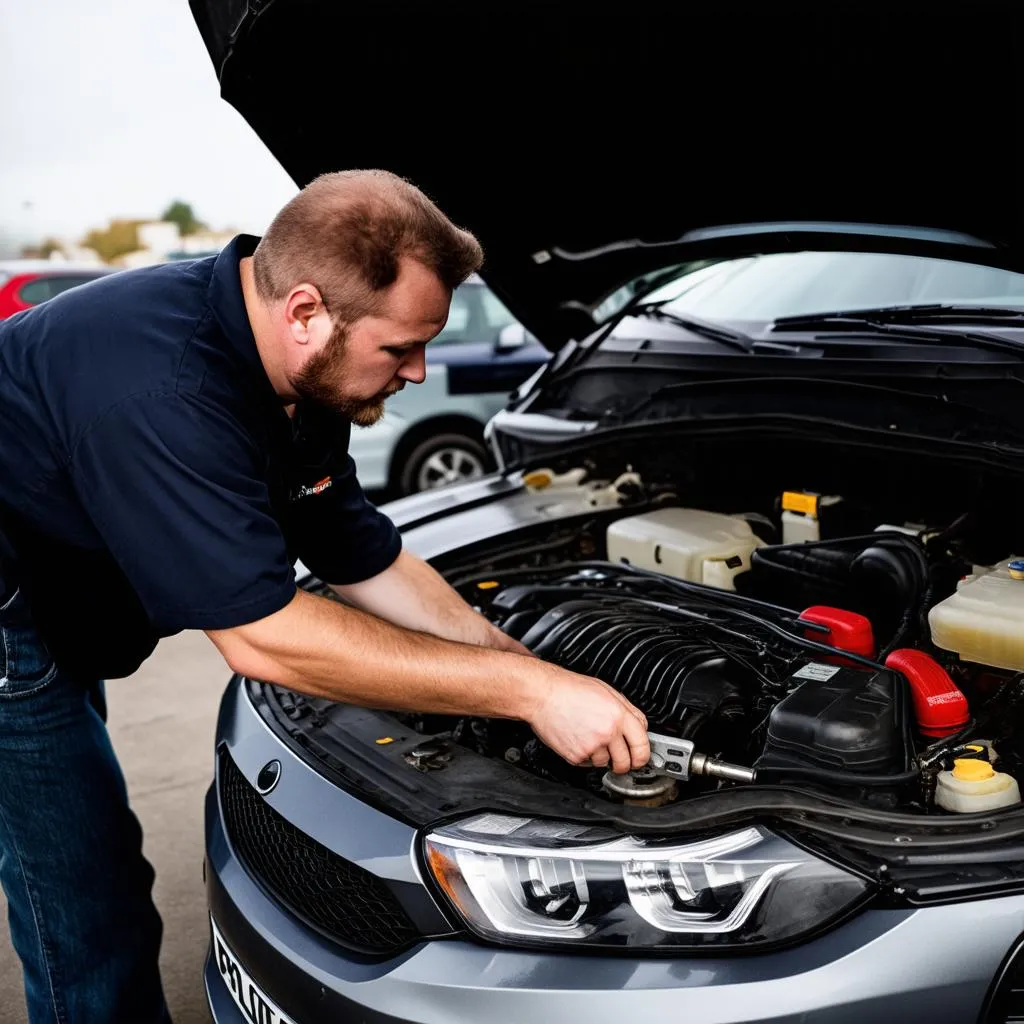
(322, 381)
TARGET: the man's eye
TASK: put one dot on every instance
(398, 353)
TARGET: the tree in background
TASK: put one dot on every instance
(119, 238)
(182, 214)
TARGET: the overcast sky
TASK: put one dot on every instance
(112, 109)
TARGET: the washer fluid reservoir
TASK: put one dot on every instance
(685, 543)
(983, 621)
(974, 785)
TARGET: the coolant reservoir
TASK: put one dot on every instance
(685, 543)
(983, 621)
(975, 786)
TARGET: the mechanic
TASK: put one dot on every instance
(171, 440)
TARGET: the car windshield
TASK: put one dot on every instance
(765, 288)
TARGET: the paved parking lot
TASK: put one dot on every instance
(162, 721)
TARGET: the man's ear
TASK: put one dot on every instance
(303, 303)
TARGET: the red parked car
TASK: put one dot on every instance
(26, 283)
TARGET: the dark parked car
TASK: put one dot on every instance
(770, 486)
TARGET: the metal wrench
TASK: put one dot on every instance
(679, 759)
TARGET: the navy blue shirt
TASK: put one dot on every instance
(150, 478)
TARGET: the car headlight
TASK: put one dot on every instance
(534, 881)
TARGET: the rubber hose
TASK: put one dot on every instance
(774, 773)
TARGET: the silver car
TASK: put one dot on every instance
(769, 485)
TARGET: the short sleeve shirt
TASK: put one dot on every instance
(150, 478)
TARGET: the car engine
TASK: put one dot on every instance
(868, 665)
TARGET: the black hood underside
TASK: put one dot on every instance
(554, 131)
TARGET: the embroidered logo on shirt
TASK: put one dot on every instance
(308, 490)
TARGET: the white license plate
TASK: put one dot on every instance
(255, 1004)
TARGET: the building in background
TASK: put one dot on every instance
(162, 241)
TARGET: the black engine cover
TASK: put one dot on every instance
(852, 721)
(665, 667)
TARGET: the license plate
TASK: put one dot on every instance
(256, 1005)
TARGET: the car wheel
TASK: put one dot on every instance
(442, 460)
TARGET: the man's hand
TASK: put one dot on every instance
(586, 721)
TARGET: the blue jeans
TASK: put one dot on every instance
(78, 888)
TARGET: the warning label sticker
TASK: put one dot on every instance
(816, 671)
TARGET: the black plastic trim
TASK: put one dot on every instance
(297, 993)
(361, 953)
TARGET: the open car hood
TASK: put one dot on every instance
(586, 146)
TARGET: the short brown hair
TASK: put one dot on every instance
(346, 232)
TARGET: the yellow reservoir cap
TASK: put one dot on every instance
(798, 501)
(968, 769)
(538, 479)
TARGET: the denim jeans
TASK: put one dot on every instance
(78, 888)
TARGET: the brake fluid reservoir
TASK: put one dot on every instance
(685, 543)
(975, 786)
(982, 621)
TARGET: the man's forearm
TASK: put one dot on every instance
(319, 647)
(412, 594)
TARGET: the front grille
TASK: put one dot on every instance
(1005, 1004)
(336, 897)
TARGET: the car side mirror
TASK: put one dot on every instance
(510, 337)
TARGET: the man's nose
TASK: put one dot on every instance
(414, 367)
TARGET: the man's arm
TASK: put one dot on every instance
(317, 646)
(411, 594)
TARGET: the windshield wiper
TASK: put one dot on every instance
(907, 323)
(926, 313)
(994, 315)
(733, 339)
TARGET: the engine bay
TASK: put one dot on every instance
(880, 666)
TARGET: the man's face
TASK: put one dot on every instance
(362, 363)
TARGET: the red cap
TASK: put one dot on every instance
(940, 706)
(848, 631)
